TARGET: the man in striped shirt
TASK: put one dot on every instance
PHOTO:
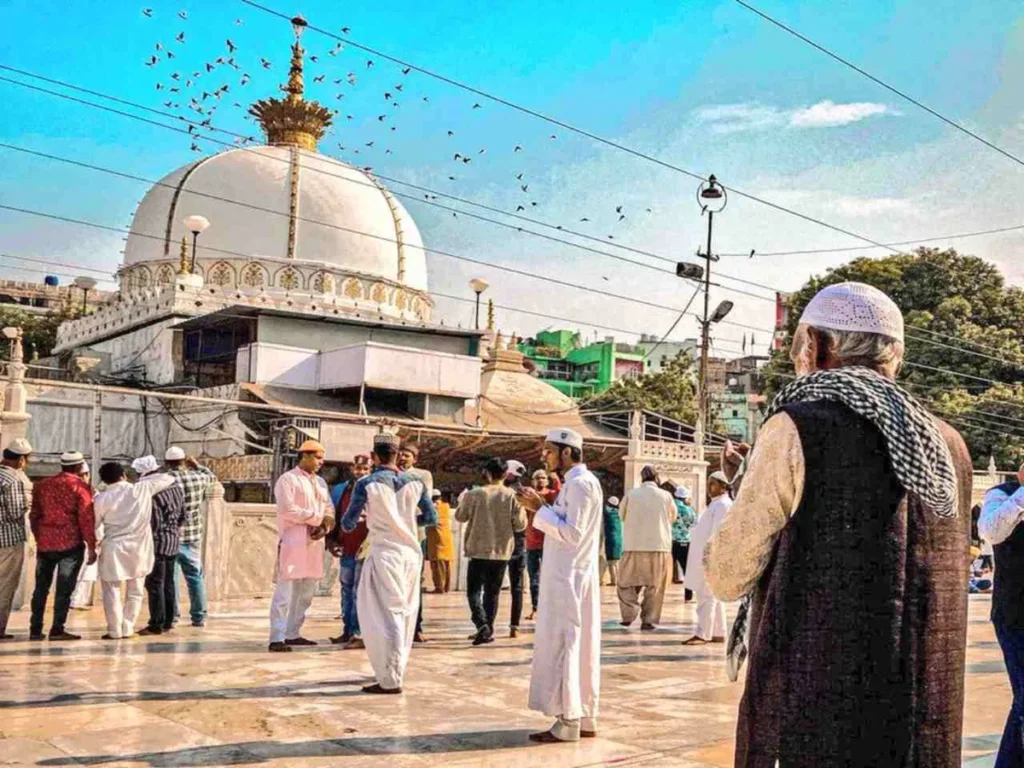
(13, 508)
(197, 482)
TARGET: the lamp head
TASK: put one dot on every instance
(299, 25)
(713, 191)
(479, 285)
(721, 311)
(11, 332)
(196, 224)
(85, 283)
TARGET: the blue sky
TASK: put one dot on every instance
(707, 86)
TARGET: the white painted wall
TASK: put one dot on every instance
(280, 365)
(404, 369)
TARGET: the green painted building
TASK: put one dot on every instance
(579, 370)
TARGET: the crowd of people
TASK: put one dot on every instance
(844, 535)
(132, 537)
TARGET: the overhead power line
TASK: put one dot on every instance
(877, 81)
(532, 275)
(562, 124)
(347, 179)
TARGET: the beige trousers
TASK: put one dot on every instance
(11, 561)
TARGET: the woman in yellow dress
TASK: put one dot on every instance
(440, 548)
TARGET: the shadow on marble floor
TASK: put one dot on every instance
(251, 752)
(291, 690)
(133, 647)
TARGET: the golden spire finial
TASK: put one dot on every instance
(295, 87)
(490, 314)
(293, 120)
(183, 256)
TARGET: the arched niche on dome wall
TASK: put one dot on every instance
(221, 274)
(352, 288)
(254, 275)
(140, 278)
(322, 282)
(288, 278)
(165, 274)
(380, 293)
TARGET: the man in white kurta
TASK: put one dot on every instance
(125, 540)
(710, 610)
(566, 674)
(393, 503)
(304, 514)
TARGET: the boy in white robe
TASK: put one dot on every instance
(566, 674)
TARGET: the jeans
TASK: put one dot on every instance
(66, 564)
(160, 588)
(679, 553)
(349, 571)
(1011, 748)
(533, 558)
(190, 563)
(515, 581)
(483, 585)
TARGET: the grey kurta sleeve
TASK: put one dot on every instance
(739, 551)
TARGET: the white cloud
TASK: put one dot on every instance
(737, 118)
(826, 114)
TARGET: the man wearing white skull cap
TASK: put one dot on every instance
(849, 540)
(566, 673)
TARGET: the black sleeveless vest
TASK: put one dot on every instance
(1008, 591)
(858, 624)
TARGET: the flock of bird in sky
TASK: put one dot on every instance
(187, 90)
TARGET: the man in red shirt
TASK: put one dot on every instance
(345, 546)
(547, 486)
(63, 524)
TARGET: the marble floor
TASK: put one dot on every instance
(214, 696)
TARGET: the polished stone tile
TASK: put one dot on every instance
(214, 696)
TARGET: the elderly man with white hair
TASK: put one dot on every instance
(851, 532)
(566, 676)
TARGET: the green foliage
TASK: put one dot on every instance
(40, 330)
(943, 293)
(671, 392)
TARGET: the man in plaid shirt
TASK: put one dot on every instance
(13, 508)
(197, 482)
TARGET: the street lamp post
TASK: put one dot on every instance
(196, 225)
(479, 285)
(712, 198)
(86, 284)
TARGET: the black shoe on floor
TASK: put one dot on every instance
(375, 688)
(37, 636)
(199, 624)
(63, 636)
(341, 639)
(279, 648)
(147, 631)
(483, 637)
(6, 636)
(299, 641)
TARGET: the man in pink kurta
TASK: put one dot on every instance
(304, 515)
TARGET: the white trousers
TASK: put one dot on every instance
(292, 598)
(122, 613)
(710, 616)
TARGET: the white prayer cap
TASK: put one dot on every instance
(854, 307)
(20, 446)
(613, 501)
(682, 492)
(435, 494)
(174, 453)
(720, 477)
(565, 436)
(70, 458)
(515, 468)
(85, 468)
(145, 464)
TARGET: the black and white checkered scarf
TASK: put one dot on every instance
(920, 457)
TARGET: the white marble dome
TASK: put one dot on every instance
(304, 218)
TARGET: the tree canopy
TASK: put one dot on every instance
(39, 329)
(672, 392)
(964, 342)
